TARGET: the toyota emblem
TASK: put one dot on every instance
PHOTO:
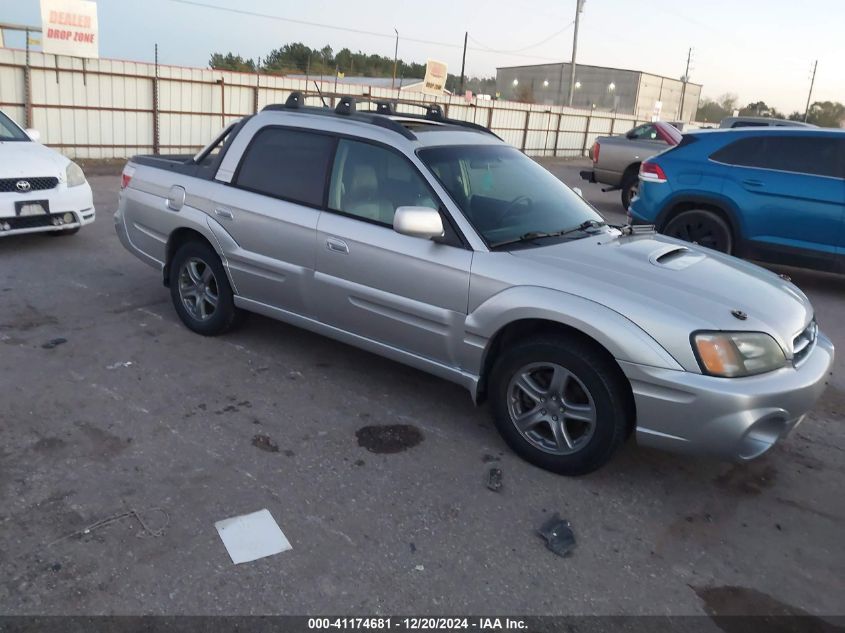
(23, 186)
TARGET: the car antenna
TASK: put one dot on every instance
(316, 85)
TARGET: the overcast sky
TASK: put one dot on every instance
(758, 49)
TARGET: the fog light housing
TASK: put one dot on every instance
(68, 218)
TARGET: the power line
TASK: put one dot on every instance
(349, 29)
(524, 48)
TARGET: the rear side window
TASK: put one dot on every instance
(646, 132)
(816, 155)
(287, 164)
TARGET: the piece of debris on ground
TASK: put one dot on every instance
(126, 363)
(252, 536)
(145, 531)
(54, 343)
(558, 534)
(494, 479)
(265, 443)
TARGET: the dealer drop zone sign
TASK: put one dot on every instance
(69, 27)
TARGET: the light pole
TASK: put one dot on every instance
(395, 57)
(810, 94)
(579, 6)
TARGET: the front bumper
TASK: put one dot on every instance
(78, 201)
(729, 418)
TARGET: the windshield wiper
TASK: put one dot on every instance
(586, 224)
(533, 235)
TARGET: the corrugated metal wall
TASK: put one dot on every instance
(106, 108)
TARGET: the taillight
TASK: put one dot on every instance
(594, 153)
(126, 176)
(652, 172)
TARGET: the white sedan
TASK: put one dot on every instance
(40, 190)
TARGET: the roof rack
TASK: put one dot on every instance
(347, 107)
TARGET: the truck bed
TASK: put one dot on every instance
(179, 163)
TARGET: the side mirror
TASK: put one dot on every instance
(35, 135)
(578, 191)
(421, 222)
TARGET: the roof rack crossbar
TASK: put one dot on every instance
(381, 116)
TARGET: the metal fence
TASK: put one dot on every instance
(106, 108)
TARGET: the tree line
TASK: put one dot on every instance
(299, 59)
(821, 113)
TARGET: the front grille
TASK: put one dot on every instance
(803, 344)
(40, 183)
(29, 221)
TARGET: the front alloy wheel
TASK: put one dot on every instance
(551, 408)
(561, 402)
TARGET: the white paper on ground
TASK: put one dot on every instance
(252, 536)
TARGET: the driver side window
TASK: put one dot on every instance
(371, 182)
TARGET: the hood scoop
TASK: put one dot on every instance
(675, 257)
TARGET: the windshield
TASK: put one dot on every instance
(506, 195)
(9, 131)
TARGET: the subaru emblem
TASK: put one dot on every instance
(23, 186)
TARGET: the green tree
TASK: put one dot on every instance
(823, 114)
(218, 61)
(759, 108)
(710, 111)
(298, 58)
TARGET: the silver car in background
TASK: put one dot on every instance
(433, 243)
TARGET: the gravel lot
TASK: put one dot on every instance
(135, 413)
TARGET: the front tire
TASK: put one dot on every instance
(200, 290)
(703, 227)
(561, 403)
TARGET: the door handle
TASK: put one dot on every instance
(224, 213)
(752, 182)
(336, 245)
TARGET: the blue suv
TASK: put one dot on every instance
(770, 194)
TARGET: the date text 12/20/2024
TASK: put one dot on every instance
(419, 624)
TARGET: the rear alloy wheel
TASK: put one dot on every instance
(200, 290)
(630, 190)
(560, 403)
(702, 227)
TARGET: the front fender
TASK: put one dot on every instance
(617, 334)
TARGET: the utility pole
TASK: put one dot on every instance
(464, 59)
(579, 6)
(395, 57)
(684, 87)
(810, 94)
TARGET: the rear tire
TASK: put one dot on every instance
(702, 227)
(630, 188)
(200, 290)
(560, 403)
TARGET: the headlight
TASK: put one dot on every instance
(733, 354)
(74, 175)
